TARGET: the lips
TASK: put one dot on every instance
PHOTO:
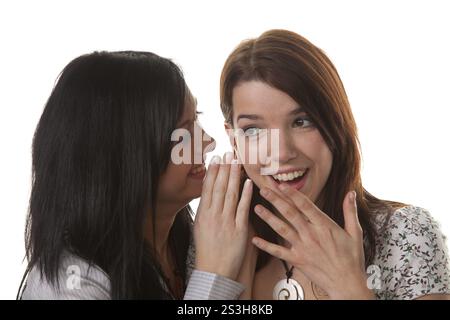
(197, 172)
(289, 175)
(290, 179)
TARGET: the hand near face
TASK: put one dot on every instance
(221, 224)
(331, 257)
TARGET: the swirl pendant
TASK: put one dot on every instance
(288, 289)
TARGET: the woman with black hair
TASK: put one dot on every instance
(108, 214)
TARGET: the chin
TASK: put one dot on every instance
(195, 194)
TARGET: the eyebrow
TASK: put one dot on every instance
(297, 110)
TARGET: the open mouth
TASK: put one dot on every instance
(295, 179)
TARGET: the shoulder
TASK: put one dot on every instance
(411, 255)
(77, 279)
(412, 218)
(409, 228)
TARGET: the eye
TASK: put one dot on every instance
(197, 113)
(302, 122)
(251, 131)
(195, 121)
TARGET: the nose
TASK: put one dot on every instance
(283, 148)
(209, 143)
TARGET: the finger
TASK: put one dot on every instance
(306, 206)
(243, 208)
(232, 194)
(221, 183)
(208, 183)
(272, 185)
(272, 249)
(351, 221)
(288, 211)
(280, 227)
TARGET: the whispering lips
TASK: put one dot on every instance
(198, 172)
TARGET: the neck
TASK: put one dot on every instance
(158, 235)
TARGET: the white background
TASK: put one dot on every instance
(393, 57)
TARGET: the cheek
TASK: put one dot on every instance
(251, 151)
(174, 179)
(327, 160)
(248, 154)
(254, 173)
(315, 148)
(251, 171)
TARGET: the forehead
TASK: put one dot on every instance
(257, 97)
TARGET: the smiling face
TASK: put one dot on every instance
(303, 159)
(182, 182)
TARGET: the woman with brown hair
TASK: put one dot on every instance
(317, 228)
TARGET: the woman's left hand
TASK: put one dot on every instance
(331, 257)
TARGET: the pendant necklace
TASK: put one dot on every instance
(288, 289)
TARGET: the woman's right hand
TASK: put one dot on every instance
(221, 223)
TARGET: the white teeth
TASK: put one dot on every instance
(198, 169)
(289, 176)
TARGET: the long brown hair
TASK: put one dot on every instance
(292, 64)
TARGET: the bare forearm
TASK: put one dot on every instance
(247, 272)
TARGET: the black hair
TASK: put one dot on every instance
(99, 149)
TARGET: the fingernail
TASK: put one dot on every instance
(283, 187)
(228, 157)
(248, 183)
(258, 209)
(255, 241)
(215, 160)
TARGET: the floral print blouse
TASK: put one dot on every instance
(411, 257)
